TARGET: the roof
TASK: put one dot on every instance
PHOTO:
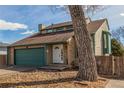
(61, 24)
(92, 26)
(3, 44)
(58, 25)
(46, 38)
(57, 37)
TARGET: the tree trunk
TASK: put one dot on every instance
(87, 64)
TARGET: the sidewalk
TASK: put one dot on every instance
(115, 84)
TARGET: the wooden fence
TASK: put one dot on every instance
(110, 65)
(3, 59)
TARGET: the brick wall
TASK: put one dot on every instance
(11, 56)
(49, 57)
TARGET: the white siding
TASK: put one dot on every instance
(98, 39)
(3, 51)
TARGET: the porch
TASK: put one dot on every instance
(60, 55)
(56, 54)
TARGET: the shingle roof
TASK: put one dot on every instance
(58, 25)
(92, 26)
(63, 36)
(44, 39)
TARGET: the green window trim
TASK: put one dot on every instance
(106, 35)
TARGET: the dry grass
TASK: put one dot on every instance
(47, 79)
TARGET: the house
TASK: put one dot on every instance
(55, 44)
(3, 53)
(3, 48)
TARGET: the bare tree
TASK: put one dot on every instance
(87, 63)
(86, 59)
(118, 34)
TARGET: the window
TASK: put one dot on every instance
(60, 29)
(3, 49)
(48, 31)
(56, 47)
(105, 41)
(62, 54)
(54, 30)
(69, 27)
(110, 44)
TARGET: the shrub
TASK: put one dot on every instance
(117, 48)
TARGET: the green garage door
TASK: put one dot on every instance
(30, 57)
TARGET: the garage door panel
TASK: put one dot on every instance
(29, 57)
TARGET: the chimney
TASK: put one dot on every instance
(40, 27)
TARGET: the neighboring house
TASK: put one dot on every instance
(3, 53)
(55, 44)
(3, 48)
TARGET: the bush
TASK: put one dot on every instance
(117, 48)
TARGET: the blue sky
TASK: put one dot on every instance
(17, 22)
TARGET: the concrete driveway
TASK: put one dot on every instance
(4, 70)
(115, 84)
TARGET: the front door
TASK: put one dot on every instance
(58, 53)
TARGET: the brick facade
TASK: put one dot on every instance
(11, 56)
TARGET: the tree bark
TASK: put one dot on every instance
(87, 64)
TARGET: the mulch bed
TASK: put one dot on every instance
(48, 79)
